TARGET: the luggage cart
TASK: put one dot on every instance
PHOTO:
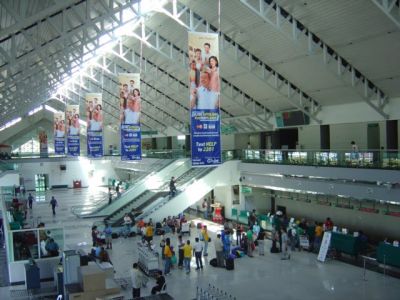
(185, 228)
(211, 292)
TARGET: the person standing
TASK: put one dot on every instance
(108, 235)
(53, 203)
(30, 200)
(127, 225)
(219, 251)
(172, 187)
(167, 256)
(149, 233)
(117, 189)
(137, 281)
(181, 256)
(261, 244)
(285, 244)
(250, 243)
(187, 256)
(109, 195)
(205, 236)
(198, 249)
(205, 207)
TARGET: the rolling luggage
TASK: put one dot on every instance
(214, 262)
(230, 263)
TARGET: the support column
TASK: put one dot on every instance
(187, 143)
(153, 143)
(325, 137)
(263, 140)
(169, 142)
(392, 142)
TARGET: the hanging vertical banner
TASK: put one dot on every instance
(59, 133)
(44, 151)
(94, 119)
(205, 116)
(73, 130)
(130, 109)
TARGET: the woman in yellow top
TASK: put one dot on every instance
(206, 238)
(149, 233)
(187, 256)
(168, 256)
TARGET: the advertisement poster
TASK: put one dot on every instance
(59, 133)
(130, 109)
(94, 119)
(204, 83)
(44, 150)
(73, 130)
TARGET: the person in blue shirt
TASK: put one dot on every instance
(108, 235)
(52, 247)
(30, 200)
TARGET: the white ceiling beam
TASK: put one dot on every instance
(390, 8)
(275, 16)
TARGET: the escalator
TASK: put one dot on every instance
(147, 198)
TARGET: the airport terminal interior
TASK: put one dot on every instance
(199, 149)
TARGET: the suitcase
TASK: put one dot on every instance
(214, 262)
(230, 263)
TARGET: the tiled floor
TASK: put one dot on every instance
(264, 277)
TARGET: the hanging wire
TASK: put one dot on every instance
(219, 17)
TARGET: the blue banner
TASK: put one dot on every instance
(94, 120)
(74, 145)
(94, 144)
(131, 142)
(205, 116)
(59, 145)
(130, 110)
(206, 140)
(73, 130)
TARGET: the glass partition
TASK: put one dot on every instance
(35, 243)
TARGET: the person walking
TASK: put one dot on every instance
(204, 234)
(250, 243)
(198, 249)
(30, 200)
(53, 203)
(261, 244)
(219, 251)
(167, 256)
(187, 256)
(137, 281)
(181, 256)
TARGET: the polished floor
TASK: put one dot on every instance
(261, 277)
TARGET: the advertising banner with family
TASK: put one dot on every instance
(205, 116)
(73, 130)
(94, 119)
(130, 109)
(59, 133)
(44, 150)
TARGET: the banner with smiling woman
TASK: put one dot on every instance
(59, 133)
(130, 110)
(204, 84)
(94, 119)
(73, 130)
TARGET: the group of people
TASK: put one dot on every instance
(204, 78)
(59, 127)
(72, 122)
(130, 103)
(94, 115)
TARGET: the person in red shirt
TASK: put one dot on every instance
(328, 224)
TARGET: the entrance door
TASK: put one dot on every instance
(373, 137)
(41, 182)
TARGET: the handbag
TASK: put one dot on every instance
(173, 260)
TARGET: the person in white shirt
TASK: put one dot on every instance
(137, 281)
(206, 54)
(219, 250)
(131, 116)
(203, 97)
(198, 249)
(131, 86)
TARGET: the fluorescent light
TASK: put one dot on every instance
(49, 108)
(11, 123)
(35, 110)
(181, 137)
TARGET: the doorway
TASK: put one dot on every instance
(41, 182)
(373, 136)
